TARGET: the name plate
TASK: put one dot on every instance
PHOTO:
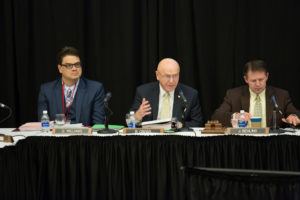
(247, 130)
(143, 130)
(6, 138)
(72, 131)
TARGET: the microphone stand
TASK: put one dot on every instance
(108, 114)
(276, 129)
(183, 110)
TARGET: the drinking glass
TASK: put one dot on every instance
(59, 119)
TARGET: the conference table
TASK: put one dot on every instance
(136, 166)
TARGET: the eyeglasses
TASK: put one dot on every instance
(168, 77)
(70, 66)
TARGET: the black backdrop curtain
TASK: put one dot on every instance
(121, 43)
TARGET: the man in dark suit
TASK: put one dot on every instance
(255, 99)
(161, 100)
(80, 99)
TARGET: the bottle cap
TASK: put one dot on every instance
(242, 111)
(45, 111)
(132, 112)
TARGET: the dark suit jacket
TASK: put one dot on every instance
(237, 99)
(89, 101)
(150, 91)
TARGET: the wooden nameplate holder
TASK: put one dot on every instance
(143, 130)
(212, 127)
(247, 130)
(6, 138)
(72, 131)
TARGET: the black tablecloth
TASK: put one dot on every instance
(131, 167)
(235, 185)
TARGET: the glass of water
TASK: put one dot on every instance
(59, 119)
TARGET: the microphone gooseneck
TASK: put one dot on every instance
(107, 97)
(274, 101)
(275, 104)
(182, 97)
(2, 105)
(8, 108)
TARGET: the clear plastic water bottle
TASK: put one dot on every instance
(131, 121)
(242, 119)
(45, 122)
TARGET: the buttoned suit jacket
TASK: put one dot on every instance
(150, 91)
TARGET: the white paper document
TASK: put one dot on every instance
(162, 123)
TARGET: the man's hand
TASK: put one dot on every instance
(144, 109)
(292, 119)
(179, 125)
(247, 116)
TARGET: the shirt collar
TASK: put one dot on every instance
(253, 94)
(162, 92)
(71, 87)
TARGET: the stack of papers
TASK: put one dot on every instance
(78, 125)
(31, 126)
(163, 123)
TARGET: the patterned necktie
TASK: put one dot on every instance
(257, 107)
(165, 107)
(69, 97)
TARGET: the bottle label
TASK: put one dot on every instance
(45, 124)
(131, 125)
(242, 123)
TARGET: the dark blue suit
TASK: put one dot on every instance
(87, 107)
(150, 91)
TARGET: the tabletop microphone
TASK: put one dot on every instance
(275, 104)
(2, 105)
(108, 114)
(107, 97)
(276, 129)
(183, 106)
